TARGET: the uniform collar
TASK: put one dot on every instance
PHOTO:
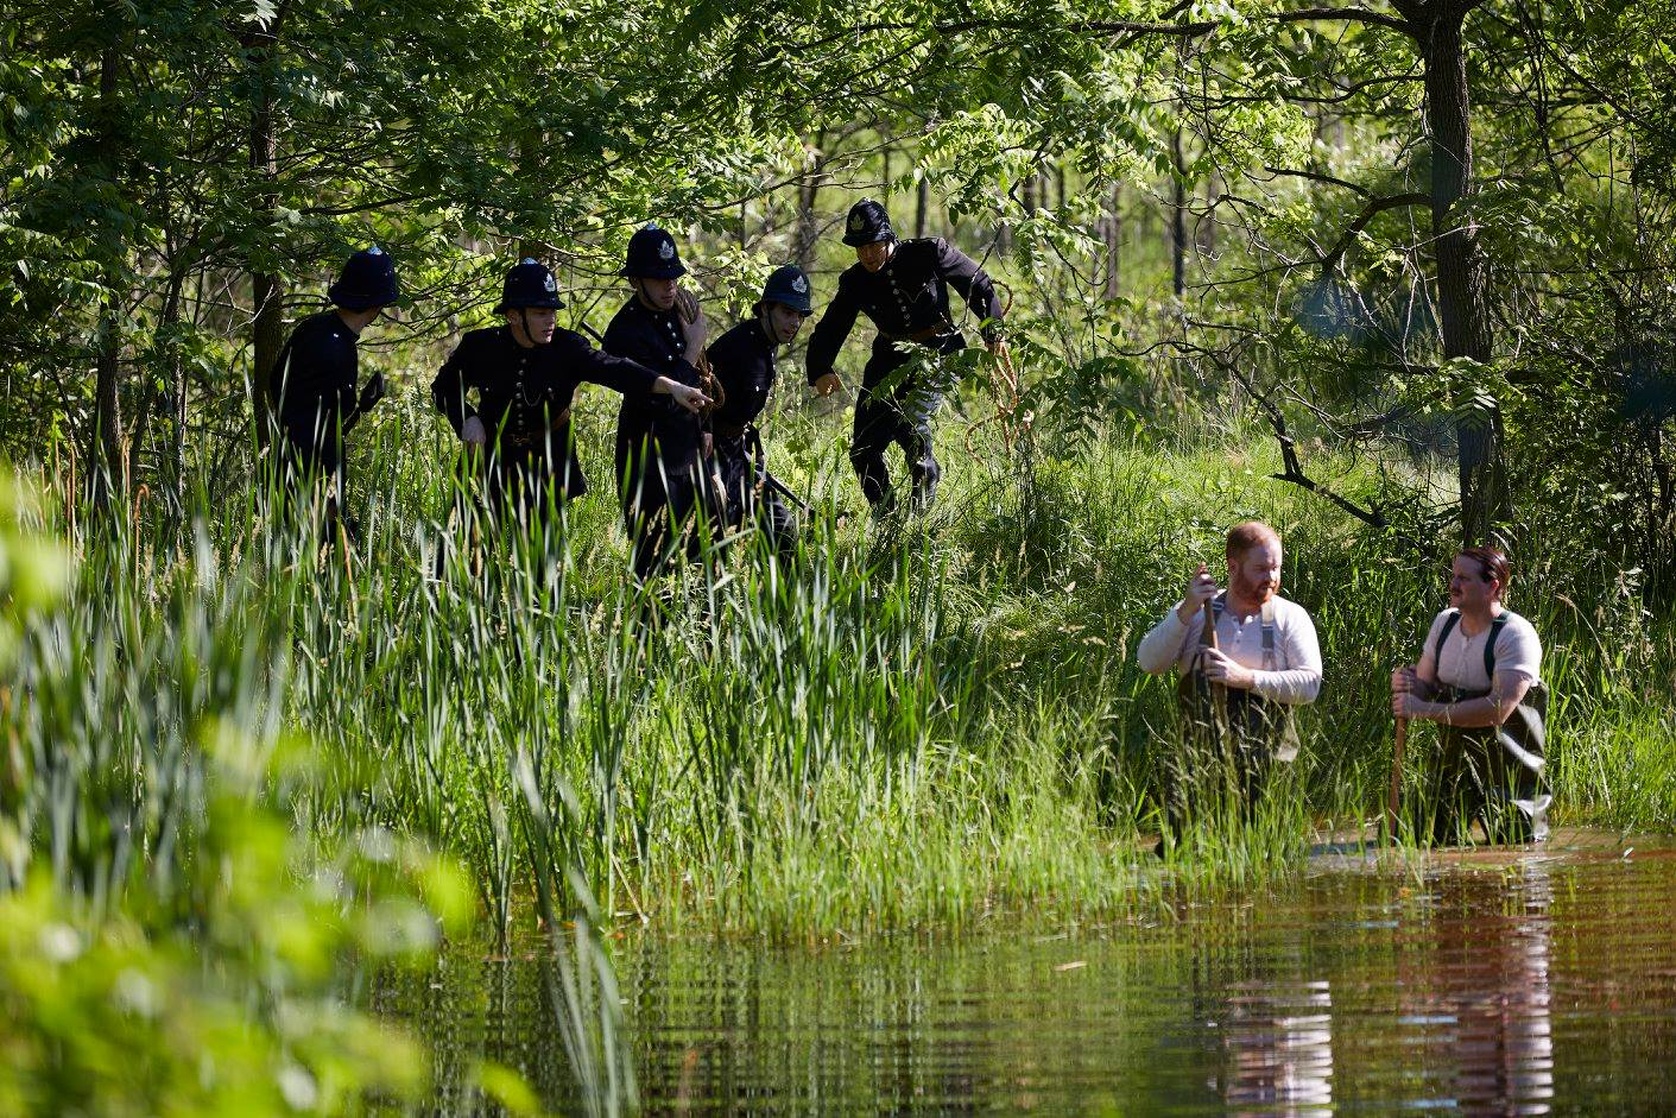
(652, 312)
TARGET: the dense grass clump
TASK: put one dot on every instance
(921, 721)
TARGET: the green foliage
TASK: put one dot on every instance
(172, 944)
(902, 728)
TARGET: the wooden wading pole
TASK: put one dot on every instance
(1207, 639)
(1394, 798)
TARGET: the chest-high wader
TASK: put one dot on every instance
(1230, 738)
(1493, 773)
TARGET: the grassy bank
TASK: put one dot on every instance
(913, 724)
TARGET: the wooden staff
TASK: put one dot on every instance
(1218, 693)
(1394, 798)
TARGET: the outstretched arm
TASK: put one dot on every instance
(966, 276)
(829, 336)
(685, 395)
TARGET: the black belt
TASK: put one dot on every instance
(730, 430)
(525, 437)
(928, 334)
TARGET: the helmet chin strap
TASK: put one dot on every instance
(639, 283)
(524, 322)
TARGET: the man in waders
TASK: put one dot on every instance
(1239, 689)
(1479, 679)
(313, 384)
(903, 288)
(743, 362)
(507, 392)
(662, 446)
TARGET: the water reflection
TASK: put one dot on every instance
(1480, 994)
(1498, 984)
(1279, 1044)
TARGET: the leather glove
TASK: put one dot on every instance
(371, 393)
(472, 432)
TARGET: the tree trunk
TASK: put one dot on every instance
(1031, 194)
(106, 477)
(1204, 230)
(177, 391)
(266, 289)
(1462, 270)
(1178, 215)
(106, 464)
(1111, 229)
(808, 225)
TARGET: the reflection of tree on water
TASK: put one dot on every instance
(1482, 993)
(1279, 1044)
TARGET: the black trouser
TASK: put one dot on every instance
(1226, 755)
(530, 483)
(896, 406)
(663, 491)
(747, 493)
(310, 452)
(1478, 778)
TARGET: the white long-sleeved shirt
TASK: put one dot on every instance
(1294, 680)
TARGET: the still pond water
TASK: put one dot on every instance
(1499, 982)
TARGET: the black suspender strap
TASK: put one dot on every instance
(1449, 624)
(1270, 640)
(1496, 627)
(1271, 643)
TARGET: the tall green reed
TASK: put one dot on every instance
(173, 944)
(906, 723)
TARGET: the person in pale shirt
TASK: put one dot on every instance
(1479, 679)
(1266, 662)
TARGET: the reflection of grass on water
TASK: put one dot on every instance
(922, 726)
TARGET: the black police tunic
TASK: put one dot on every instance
(743, 362)
(654, 339)
(313, 389)
(524, 396)
(907, 299)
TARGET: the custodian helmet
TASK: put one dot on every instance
(652, 255)
(788, 285)
(529, 284)
(368, 280)
(868, 223)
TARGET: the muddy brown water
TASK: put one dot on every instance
(1531, 981)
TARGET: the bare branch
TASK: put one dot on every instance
(1318, 176)
(1373, 209)
(1353, 15)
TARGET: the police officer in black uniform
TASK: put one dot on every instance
(903, 287)
(743, 363)
(524, 376)
(313, 385)
(661, 448)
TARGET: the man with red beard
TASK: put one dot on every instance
(1264, 661)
